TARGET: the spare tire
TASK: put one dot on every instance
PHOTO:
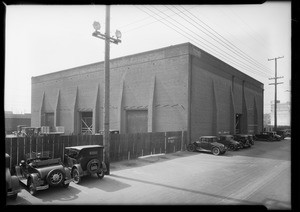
(93, 166)
(55, 177)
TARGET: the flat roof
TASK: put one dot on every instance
(84, 147)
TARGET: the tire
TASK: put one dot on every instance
(91, 163)
(100, 174)
(216, 151)
(55, 177)
(76, 176)
(191, 148)
(31, 187)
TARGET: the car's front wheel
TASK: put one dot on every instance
(55, 177)
(191, 148)
(76, 176)
(216, 151)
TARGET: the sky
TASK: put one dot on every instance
(41, 39)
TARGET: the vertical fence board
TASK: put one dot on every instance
(121, 145)
(21, 147)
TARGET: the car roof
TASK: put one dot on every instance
(208, 136)
(84, 147)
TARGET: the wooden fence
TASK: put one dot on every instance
(122, 146)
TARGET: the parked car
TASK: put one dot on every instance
(229, 142)
(85, 160)
(282, 133)
(208, 144)
(243, 139)
(268, 136)
(251, 139)
(40, 171)
(12, 181)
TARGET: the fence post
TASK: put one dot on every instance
(181, 144)
(165, 142)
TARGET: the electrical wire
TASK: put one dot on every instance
(197, 40)
(247, 57)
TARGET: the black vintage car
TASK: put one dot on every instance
(243, 139)
(40, 171)
(268, 136)
(85, 160)
(229, 142)
(12, 181)
(207, 144)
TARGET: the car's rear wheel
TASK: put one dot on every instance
(31, 187)
(216, 151)
(55, 177)
(191, 148)
(76, 176)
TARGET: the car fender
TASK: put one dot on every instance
(8, 177)
(78, 167)
(104, 166)
(67, 173)
(15, 184)
(34, 177)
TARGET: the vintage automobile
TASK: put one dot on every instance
(12, 181)
(207, 144)
(40, 171)
(229, 142)
(243, 139)
(268, 136)
(251, 139)
(85, 160)
(282, 133)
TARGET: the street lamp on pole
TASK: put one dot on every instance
(108, 40)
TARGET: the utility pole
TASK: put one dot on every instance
(108, 39)
(276, 83)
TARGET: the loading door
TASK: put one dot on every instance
(137, 121)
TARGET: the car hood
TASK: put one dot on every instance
(217, 144)
(43, 171)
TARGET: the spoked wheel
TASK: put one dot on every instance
(100, 174)
(31, 187)
(191, 148)
(55, 177)
(216, 151)
(76, 176)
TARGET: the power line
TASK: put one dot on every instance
(247, 57)
(244, 66)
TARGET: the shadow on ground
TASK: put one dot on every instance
(147, 160)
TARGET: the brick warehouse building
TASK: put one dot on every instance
(177, 88)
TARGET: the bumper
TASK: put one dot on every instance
(68, 181)
(38, 188)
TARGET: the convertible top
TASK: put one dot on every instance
(83, 147)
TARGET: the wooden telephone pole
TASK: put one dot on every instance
(276, 83)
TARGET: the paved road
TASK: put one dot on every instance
(257, 175)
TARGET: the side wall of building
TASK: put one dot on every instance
(218, 93)
(154, 82)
